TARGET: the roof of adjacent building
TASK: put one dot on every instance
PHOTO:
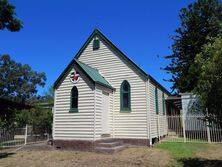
(96, 32)
(6, 104)
(93, 74)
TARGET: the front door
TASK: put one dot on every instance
(105, 114)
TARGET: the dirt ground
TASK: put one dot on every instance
(46, 156)
(134, 156)
(213, 152)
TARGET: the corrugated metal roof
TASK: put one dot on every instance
(94, 74)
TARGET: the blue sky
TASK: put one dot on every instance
(55, 30)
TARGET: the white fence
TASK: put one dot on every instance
(192, 128)
(20, 136)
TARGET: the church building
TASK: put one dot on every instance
(102, 94)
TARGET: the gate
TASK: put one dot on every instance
(192, 128)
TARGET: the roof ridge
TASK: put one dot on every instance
(91, 68)
(86, 64)
(93, 74)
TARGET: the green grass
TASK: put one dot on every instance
(180, 151)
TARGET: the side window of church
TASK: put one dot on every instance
(125, 97)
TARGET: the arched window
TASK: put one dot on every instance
(125, 97)
(156, 100)
(163, 102)
(74, 100)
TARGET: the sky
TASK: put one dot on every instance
(55, 30)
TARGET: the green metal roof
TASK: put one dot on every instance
(93, 74)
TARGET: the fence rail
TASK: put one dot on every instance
(192, 128)
(20, 136)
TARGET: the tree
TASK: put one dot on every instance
(18, 82)
(199, 21)
(209, 86)
(38, 117)
(49, 96)
(8, 17)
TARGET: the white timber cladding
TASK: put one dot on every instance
(162, 117)
(115, 70)
(153, 115)
(80, 125)
(158, 127)
(99, 90)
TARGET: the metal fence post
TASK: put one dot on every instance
(208, 129)
(26, 133)
(184, 129)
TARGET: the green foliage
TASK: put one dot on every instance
(18, 82)
(7, 17)
(209, 87)
(39, 118)
(49, 96)
(7, 118)
(199, 21)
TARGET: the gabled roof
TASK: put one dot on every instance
(93, 74)
(96, 32)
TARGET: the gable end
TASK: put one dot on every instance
(96, 32)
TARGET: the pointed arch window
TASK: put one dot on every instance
(164, 105)
(74, 100)
(125, 96)
(156, 100)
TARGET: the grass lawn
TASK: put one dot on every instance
(193, 154)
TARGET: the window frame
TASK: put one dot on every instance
(156, 101)
(74, 109)
(125, 109)
(163, 103)
(96, 44)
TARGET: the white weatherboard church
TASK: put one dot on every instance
(103, 94)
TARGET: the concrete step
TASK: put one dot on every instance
(106, 135)
(110, 149)
(107, 140)
(109, 144)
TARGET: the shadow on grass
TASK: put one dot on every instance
(5, 155)
(199, 162)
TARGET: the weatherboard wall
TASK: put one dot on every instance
(131, 124)
(162, 118)
(158, 121)
(79, 125)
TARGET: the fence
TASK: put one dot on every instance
(20, 136)
(192, 128)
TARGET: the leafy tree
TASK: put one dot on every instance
(199, 21)
(18, 82)
(8, 17)
(38, 117)
(49, 96)
(209, 86)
